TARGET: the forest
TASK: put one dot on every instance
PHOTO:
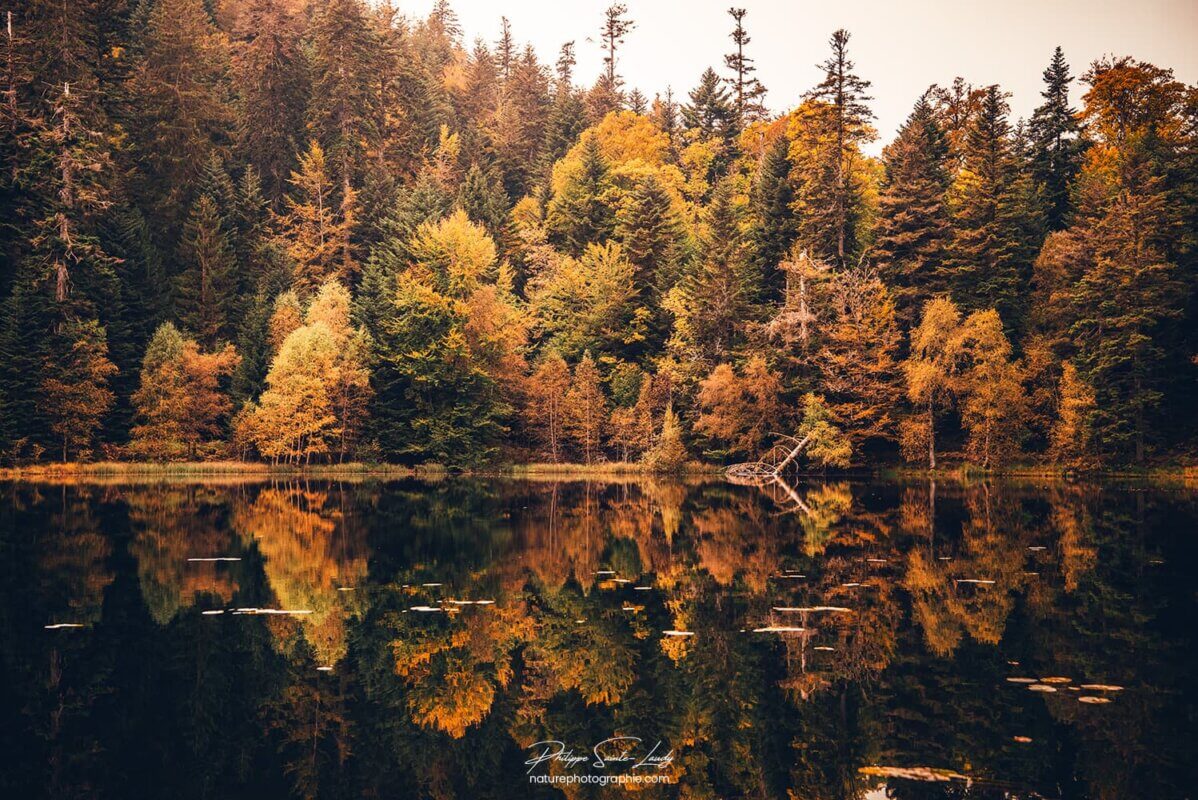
(308, 232)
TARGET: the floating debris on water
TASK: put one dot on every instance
(426, 609)
(345, 588)
(876, 560)
(1040, 687)
(605, 572)
(1021, 680)
(219, 558)
(1022, 739)
(642, 588)
(790, 577)
(60, 625)
(579, 621)
(832, 609)
(1101, 687)
(284, 611)
(213, 613)
(850, 585)
(825, 648)
(779, 629)
(679, 633)
(978, 581)
(324, 669)
(1037, 548)
(621, 580)
(932, 774)
(1092, 700)
(471, 602)
(431, 585)
(1056, 679)
(944, 558)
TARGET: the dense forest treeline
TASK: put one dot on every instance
(298, 231)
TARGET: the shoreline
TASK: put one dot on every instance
(1184, 475)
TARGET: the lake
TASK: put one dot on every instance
(526, 639)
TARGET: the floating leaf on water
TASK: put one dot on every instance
(1021, 680)
(1040, 687)
(1056, 680)
(679, 633)
(1022, 739)
(1092, 700)
(1101, 687)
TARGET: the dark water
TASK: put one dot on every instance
(930, 600)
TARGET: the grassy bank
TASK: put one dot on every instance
(194, 470)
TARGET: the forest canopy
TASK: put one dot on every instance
(309, 232)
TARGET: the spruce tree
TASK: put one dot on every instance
(581, 214)
(650, 231)
(913, 229)
(773, 226)
(831, 193)
(206, 286)
(747, 91)
(985, 256)
(1056, 146)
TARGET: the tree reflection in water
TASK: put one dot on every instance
(404, 639)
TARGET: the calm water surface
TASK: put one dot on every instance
(408, 640)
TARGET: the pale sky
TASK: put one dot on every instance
(902, 46)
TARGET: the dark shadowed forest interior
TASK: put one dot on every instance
(316, 232)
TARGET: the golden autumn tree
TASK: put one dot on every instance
(586, 410)
(316, 225)
(1071, 438)
(288, 315)
(545, 411)
(318, 386)
(74, 387)
(930, 375)
(994, 404)
(181, 406)
(740, 410)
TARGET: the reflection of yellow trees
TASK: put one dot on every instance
(73, 560)
(453, 665)
(308, 557)
(730, 540)
(172, 524)
(947, 598)
(1073, 523)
